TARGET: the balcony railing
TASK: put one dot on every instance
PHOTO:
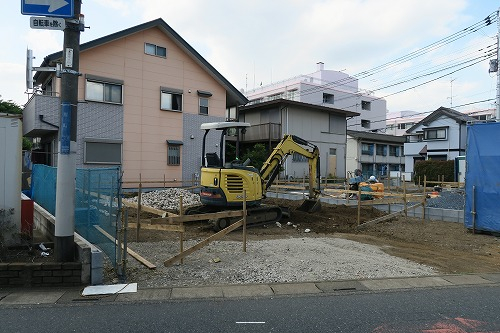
(261, 132)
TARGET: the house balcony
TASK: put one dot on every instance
(263, 132)
(41, 116)
(414, 148)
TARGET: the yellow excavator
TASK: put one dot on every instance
(222, 183)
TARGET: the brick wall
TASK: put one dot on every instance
(40, 274)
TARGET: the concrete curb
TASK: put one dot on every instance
(16, 297)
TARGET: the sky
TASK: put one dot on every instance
(262, 41)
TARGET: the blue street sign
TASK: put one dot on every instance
(53, 8)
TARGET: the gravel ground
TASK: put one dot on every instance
(271, 260)
(448, 200)
(268, 261)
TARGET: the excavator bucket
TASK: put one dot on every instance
(310, 206)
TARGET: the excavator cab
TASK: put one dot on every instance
(222, 183)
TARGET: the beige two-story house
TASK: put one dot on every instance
(142, 94)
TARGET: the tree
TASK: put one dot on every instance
(257, 155)
(13, 108)
(10, 107)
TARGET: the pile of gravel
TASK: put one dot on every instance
(268, 261)
(168, 199)
(448, 200)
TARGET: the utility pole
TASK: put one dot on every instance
(66, 162)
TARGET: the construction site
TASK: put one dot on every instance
(239, 224)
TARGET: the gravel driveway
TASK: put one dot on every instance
(268, 261)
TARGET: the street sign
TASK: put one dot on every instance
(50, 23)
(53, 8)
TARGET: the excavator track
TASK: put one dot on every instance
(255, 215)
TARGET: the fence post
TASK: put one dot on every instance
(138, 210)
(425, 199)
(359, 205)
(244, 221)
(404, 196)
(181, 212)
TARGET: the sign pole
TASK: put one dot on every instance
(66, 164)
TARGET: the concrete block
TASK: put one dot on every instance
(295, 288)
(493, 277)
(435, 214)
(197, 292)
(466, 279)
(247, 290)
(450, 215)
(340, 286)
(384, 284)
(146, 295)
(35, 297)
(427, 281)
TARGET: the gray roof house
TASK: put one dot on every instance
(439, 136)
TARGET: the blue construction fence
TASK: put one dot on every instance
(97, 203)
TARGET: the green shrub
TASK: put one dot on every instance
(434, 170)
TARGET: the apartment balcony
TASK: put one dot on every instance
(41, 116)
(263, 132)
(414, 148)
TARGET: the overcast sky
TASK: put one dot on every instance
(256, 41)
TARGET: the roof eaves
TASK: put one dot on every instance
(160, 23)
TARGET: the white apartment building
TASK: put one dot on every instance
(397, 123)
(328, 88)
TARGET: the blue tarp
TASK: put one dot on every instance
(482, 177)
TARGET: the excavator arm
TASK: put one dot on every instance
(288, 145)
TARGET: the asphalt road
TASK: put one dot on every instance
(447, 310)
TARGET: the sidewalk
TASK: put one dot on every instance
(65, 296)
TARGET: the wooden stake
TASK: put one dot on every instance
(359, 205)
(181, 237)
(244, 221)
(139, 195)
(425, 198)
(404, 196)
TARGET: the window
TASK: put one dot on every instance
(435, 134)
(365, 105)
(203, 105)
(381, 150)
(367, 149)
(292, 95)
(171, 100)
(106, 92)
(483, 117)
(333, 151)
(155, 50)
(394, 151)
(296, 157)
(102, 151)
(174, 152)
(365, 123)
(328, 98)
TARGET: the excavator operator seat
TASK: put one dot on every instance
(213, 160)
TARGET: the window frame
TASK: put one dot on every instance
(156, 47)
(172, 92)
(366, 105)
(328, 98)
(174, 147)
(203, 107)
(86, 147)
(436, 130)
(104, 82)
(368, 150)
(381, 150)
